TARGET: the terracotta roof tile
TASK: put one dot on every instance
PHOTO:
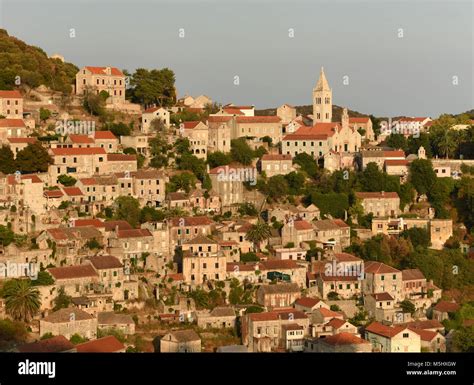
(108, 344)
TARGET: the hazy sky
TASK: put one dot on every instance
(388, 74)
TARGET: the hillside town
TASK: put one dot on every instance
(139, 219)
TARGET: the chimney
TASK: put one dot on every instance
(383, 193)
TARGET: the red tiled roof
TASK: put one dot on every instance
(101, 71)
(344, 339)
(276, 264)
(379, 268)
(336, 323)
(104, 135)
(269, 157)
(240, 107)
(105, 262)
(69, 272)
(76, 138)
(88, 222)
(78, 151)
(10, 94)
(12, 123)
(88, 181)
(302, 225)
(11, 179)
(133, 233)
(54, 344)
(121, 158)
(426, 324)
(425, 335)
(108, 344)
(122, 225)
(396, 162)
(329, 313)
(383, 330)
(338, 278)
(377, 195)
(446, 307)
(73, 191)
(219, 118)
(307, 302)
(340, 223)
(191, 124)
(258, 119)
(53, 193)
(232, 110)
(346, 257)
(382, 297)
(394, 154)
(231, 267)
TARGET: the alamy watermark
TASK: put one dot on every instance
(18, 270)
(239, 174)
(407, 128)
(78, 127)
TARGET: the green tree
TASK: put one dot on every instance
(156, 86)
(258, 233)
(127, 208)
(397, 141)
(295, 181)
(217, 158)
(77, 339)
(6, 235)
(418, 236)
(94, 104)
(407, 306)
(45, 114)
(66, 180)
(277, 187)
(241, 151)
(463, 339)
(7, 160)
(62, 300)
(247, 208)
(22, 301)
(183, 181)
(33, 158)
(422, 175)
(44, 279)
(307, 164)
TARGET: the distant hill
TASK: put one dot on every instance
(32, 65)
(308, 110)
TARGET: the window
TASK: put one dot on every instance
(406, 335)
(382, 278)
(394, 276)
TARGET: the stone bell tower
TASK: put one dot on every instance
(322, 100)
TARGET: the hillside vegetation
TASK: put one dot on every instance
(25, 65)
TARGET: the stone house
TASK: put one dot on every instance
(443, 309)
(198, 135)
(98, 79)
(131, 245)
(338, 343)
(219, 317)
(380, 204)
(292, 253)
(69, 321)
(111, 274)
(286, 113)
(202, 261)
(107, 344)
(186, 228)
(297, 232)
(381, 278)
(308, 305)
(392, 339)
(276, 164)
(264, 332)
(153, 113)
(78, 280)
(278, 295)
(332, 234)
(111, 320)
(431, 341)
(106, 140)
(381, 306)
(180, 341)
(11, 104)
(12, 128)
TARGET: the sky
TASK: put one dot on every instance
(387, 58)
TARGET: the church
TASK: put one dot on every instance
(334, 143)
